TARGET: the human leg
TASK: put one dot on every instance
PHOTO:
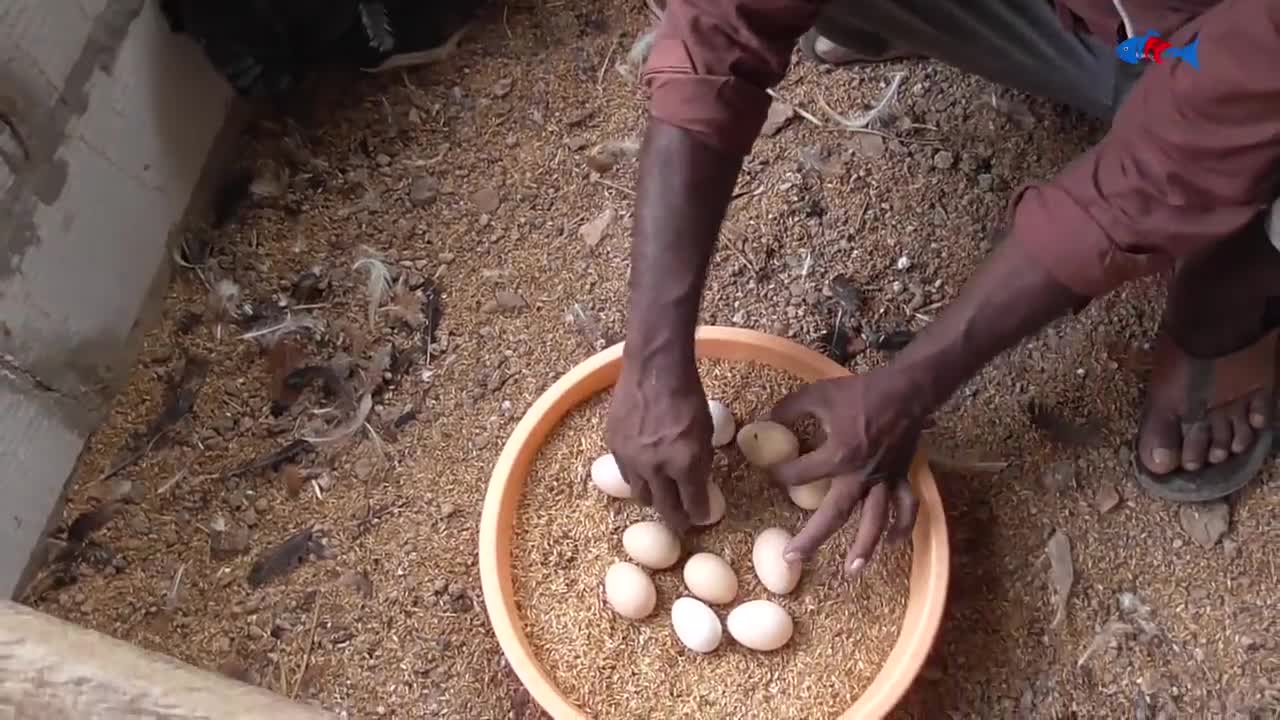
(1206, 428)
(1020, 44)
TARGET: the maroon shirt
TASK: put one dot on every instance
(1191, 157)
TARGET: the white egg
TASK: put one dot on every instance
(651, 544)
(710, 578)
(765, 443)
(696, 625)
(606, 476)
(722, 423)
(629, 590)
(809, 497)
(716, 505)
(760, 625)
(776, 574)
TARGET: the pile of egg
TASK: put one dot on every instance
(760, 625)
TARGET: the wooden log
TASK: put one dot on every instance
(54, 670)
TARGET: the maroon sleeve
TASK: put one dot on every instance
(1192, 156)
(713, 60)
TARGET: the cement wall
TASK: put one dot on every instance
(118, 117)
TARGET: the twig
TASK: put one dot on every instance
(306, 658)
(614, 185)
(799, 110)
(171, 601)
(862, 213)
(605, 67)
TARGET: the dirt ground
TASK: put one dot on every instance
(481, 185)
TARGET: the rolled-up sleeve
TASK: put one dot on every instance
(712, 62)
(1192, 156)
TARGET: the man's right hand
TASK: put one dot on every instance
(659, 431)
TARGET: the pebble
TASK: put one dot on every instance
(1205, 523)
(363, 468)
(440, 586)
(903, 264)
(1107, 498)
(986, 182)
(944, 160)
(486, 200)
(261, 505)
(249, 517)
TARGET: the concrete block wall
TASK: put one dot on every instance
(117, 118)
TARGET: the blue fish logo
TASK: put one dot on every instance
(1155, 48)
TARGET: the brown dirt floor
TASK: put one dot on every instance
(477, 173)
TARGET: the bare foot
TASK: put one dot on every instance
(1203, 411)
(1206, 428)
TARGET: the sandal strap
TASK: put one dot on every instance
(1213, 382)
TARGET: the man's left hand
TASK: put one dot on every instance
(871, 430)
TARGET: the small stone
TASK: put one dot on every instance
(986, 182)
(903, 264)
(456, 590)
(1107, 498)
(502, 88)
(249, 517)
(261, 505)
(869, 146)
(507, 300)
(229, 543)
(593, 232)
(382, 159)
(578, 142)
(363, 468)
(1205, 523)
(440, 586)
(424, 190)
(944, 160)
(780, 114)
(447, 509)
(486, 200)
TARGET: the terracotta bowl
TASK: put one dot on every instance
(930, 561)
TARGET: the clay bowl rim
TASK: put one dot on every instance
(930, 557)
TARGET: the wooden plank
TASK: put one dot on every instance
(54, 670)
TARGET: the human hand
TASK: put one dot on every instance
(659, 431)
(871, 433)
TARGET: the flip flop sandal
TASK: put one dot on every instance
(1209, 383)
(809, 42)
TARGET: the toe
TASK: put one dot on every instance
(1243, 434)
(1221, 432)
(1195, 445)
(1260, 410)
(1159, 443)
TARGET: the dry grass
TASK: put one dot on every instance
(568, 533)
(514, 114)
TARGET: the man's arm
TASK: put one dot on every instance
(707, 75)
(1192, 156)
